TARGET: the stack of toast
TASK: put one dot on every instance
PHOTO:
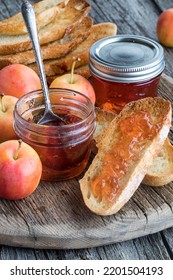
(66, 32)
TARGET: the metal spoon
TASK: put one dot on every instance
(30, 22)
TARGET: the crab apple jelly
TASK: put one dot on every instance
(64, 149)
(134, 130)
(125, 68)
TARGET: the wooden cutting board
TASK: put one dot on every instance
(55, 216)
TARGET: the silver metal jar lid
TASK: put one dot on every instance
(126, 58)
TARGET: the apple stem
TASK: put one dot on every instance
(17, 151)
(72, 70)
(2, 103)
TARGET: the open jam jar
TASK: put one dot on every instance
(125, 68)
(64, 149)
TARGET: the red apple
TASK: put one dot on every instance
(18, 79)
(165, 28)
(20, 169)
(7, 104)
(75, 82)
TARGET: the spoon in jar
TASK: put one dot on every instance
(30, 22)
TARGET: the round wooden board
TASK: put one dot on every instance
(55, 216)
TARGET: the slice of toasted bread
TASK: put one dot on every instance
(16, 26)
(58, 66)
(58, 48)
(45, 12)
(132, 141)
(161, 171)
(70, 16)
(103, 120)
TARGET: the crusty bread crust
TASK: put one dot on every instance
(16, 26)
(59, 66)
(161, 171)
(70, 16)
(157, 107)
(103, 119)
(56, 49)
(45, 12)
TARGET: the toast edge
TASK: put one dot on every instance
(137, 175)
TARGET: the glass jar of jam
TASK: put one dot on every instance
(64, 149)
(125, 68)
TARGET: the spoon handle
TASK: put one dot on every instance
(30, 22)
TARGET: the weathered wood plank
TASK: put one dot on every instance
(167, 236)
(139, 18)
(163, 5)
(144, 248)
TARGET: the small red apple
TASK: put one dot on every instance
(18, 79)
(75, 82)
(7, 104)
(165, 28)
(20, 169)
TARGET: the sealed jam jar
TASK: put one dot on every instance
(64, 149)
(125, 68)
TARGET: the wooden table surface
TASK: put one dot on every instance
(132, 17)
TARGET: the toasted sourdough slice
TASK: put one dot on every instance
(161, 171)
(58, 48)
(83, 71)
(132, 141)
(45, 12)
(71, 15)
(58, 66)
(16, 26)
(103, 120)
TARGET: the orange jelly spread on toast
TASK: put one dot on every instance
(134, 130)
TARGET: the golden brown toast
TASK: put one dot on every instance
(58, 66)
(160, 172)
(16, 26)
(103, 120)
(58, 48)
(69, 16)
(126, 152)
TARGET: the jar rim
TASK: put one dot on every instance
(126, 58)
(35, 126)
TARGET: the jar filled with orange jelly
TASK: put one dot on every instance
(64, 149)
(125, 68)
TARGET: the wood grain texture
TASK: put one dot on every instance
(139, 18)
